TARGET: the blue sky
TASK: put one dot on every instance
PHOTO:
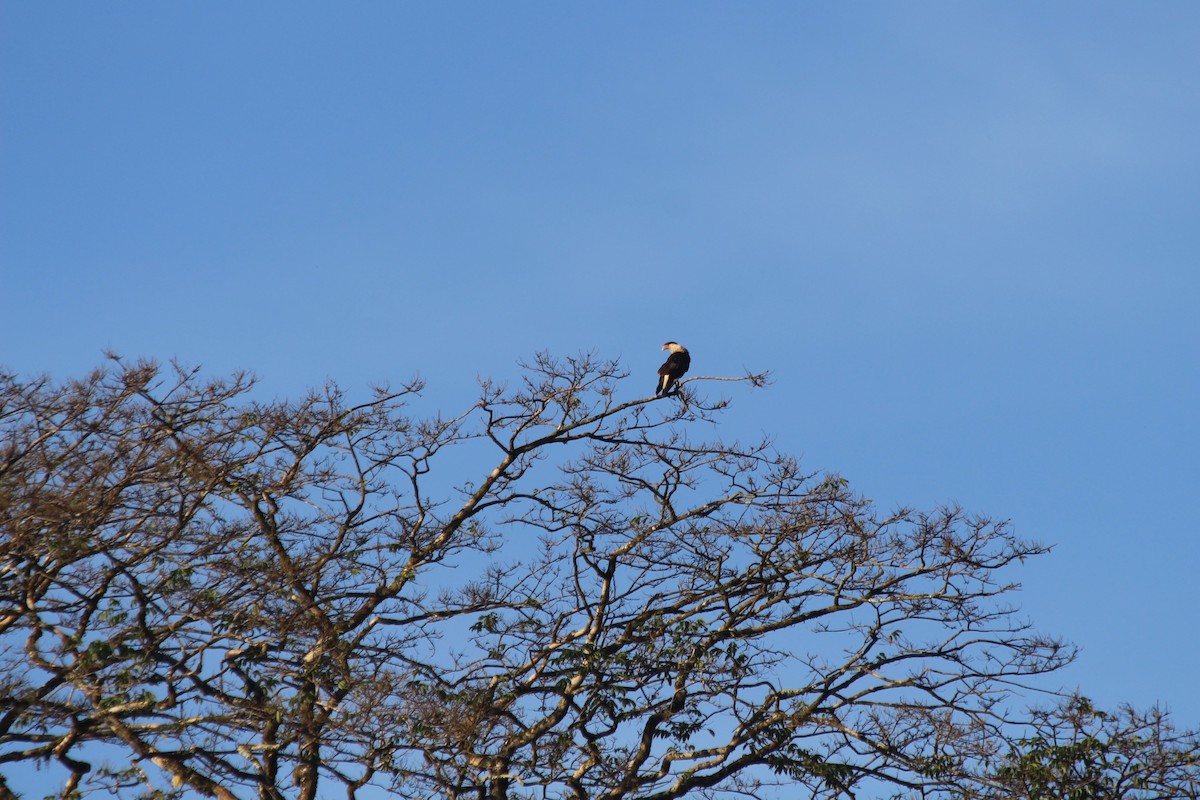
(964, 236)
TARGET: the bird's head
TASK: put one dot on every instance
(674, 347)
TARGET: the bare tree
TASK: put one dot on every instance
(556, 594)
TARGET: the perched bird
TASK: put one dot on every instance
(673, 368)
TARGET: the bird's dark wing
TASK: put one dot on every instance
(671, 371)
(676, 365)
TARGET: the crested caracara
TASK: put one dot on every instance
(673, 368)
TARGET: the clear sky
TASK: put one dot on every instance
(964, 236)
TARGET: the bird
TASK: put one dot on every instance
(673, 368)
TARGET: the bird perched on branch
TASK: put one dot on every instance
(673, 368)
